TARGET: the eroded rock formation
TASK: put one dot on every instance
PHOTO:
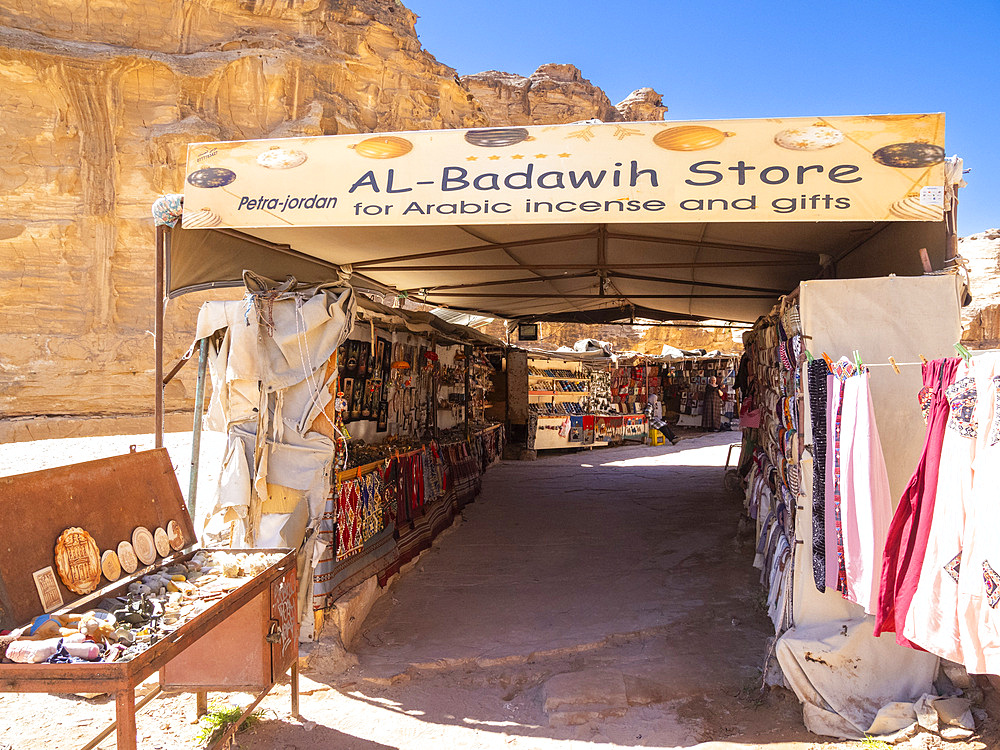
(981, 318)
(556, 94)
(98, 102)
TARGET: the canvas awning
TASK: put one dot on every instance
(586, 222)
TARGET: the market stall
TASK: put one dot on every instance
(685, 384)
(345, 442)
(96, 602)
(593, 223)
(840, 431)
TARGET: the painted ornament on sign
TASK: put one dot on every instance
(281, 158)
(211, 177)
(910, 207)
(200, 219)
(383, 147)
(497, 137)
(909, 155)
(78, 560)
(811, 138)
(690, 138)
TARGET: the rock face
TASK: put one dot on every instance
(97, 104)
(556, 94)
(981, 318)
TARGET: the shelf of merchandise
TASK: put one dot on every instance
(543, 389)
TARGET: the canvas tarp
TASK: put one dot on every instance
(841, 672)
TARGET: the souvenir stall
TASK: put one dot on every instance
(744, 211)
(96, 602)
(832, 378)
(359, 469)
(559, 403)
(684, 385)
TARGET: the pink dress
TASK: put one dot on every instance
(906, 542)
(932, 622)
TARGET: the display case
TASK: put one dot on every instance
(243, 636)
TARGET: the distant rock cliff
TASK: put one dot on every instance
(556, 94)
(97, 104)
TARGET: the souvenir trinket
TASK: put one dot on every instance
(78, 560)
(161, 541)
(143, 544)
(175, 535)
(127, 558)
(110, 565)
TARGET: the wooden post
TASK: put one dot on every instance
(158, 272)
(468, 387)
(199, 409)
(125, 718)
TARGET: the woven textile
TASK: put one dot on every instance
(818, 374)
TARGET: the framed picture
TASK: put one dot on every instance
(527, 331)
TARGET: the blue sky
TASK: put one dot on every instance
(730, 59)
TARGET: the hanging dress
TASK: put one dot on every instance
(906, 542)
(979, 568)
(932, 623)
(866, 502)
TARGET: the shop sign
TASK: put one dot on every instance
(870, 168)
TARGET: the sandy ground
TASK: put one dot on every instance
(586, 600)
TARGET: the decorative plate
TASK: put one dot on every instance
(161, 541)
(78, 560)
(175, 535)
(110, 566)
(143, 544)
(127, 558)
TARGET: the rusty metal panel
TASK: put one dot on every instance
(232, 656)
(285, 621)
(108, 498)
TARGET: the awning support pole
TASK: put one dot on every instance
(199, 410)
(468, 388)
(158, 271)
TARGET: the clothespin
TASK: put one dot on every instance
(829, 362)
(963, 352)
(858, 361)
(892, 361)
(809, 356)
(923, 359)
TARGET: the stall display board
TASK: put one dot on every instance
(106, 502)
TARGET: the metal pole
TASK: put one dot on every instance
(199, 410)
(468, 387)
(158, 265)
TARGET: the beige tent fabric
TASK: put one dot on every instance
(728, 270)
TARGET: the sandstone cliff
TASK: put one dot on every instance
(98, 101)
(556, 94)
(981, 318)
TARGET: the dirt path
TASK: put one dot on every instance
(588, 600)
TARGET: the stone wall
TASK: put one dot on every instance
(98, 102)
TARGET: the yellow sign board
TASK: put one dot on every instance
(872, 168)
